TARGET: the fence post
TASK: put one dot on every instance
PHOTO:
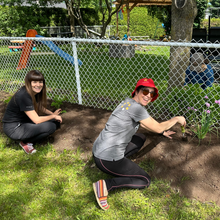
(77, 73)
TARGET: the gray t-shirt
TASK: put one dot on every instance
(121, 126)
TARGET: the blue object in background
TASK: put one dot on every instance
(125, 37)
(121, 15)
(58, 51)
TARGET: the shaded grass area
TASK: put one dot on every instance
(52, 185)
(101, 76)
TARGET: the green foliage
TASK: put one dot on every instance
(178, 101)
(16, 20)
(216, 4)
(204, 119)
(90, 17)
(164, 14)
(202, 6)
(57, 102)
(215, 22)
(141, 24)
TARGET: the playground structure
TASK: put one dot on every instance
(18, 45)
(29, 45)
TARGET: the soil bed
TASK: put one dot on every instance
(192, 168)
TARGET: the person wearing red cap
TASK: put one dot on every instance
(119, 140)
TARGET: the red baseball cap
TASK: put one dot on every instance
(148, 83)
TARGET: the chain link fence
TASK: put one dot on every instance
(101, 73)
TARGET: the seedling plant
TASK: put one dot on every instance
(57, 102)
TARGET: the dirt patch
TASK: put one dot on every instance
(191, 167)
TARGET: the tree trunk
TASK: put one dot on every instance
(109, 13)
(72, 24)
(181, 29)
(73, 8)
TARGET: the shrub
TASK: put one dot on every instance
(141, 24)
(179, 99)
(16, 20)
(215, 22)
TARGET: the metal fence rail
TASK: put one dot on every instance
(60, 31)
(100, 73)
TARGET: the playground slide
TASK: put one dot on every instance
(58, 51)
(26, 51)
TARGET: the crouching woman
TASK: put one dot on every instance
(22, 120)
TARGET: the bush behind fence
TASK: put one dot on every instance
(100, 73)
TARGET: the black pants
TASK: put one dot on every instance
(128, 174)
(30, 132)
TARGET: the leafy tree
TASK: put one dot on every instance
(16, 20)
(164, 14)
(215, 4)
(74, 10)
(201, 7)
(103, 6)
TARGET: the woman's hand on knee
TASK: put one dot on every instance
(58, 118)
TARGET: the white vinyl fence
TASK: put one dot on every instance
(100, 73)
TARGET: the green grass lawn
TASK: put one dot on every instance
(100, 74)
(55, 185)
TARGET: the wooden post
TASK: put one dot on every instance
(209, 27)
(128, 19)
(117, 23)
(128, 16)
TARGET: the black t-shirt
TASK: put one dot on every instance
(19, 103)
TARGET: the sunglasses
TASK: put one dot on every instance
(146, 92)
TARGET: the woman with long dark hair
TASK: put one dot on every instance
(23, 120)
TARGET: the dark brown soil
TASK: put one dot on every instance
(191, 167)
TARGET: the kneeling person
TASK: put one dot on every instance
(119, 139)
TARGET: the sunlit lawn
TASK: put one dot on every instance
(58, 185)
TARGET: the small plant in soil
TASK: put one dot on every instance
(57, 102)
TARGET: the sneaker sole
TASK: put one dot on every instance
(97, 198)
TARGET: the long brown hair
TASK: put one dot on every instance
(40, 99)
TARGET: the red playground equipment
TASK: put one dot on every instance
(26, 51)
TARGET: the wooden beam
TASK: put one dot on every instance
(139, 1)
(133, 6)
(144, 2)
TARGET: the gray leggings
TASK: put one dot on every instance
(30, 132)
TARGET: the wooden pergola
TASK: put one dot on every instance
(130, 4)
